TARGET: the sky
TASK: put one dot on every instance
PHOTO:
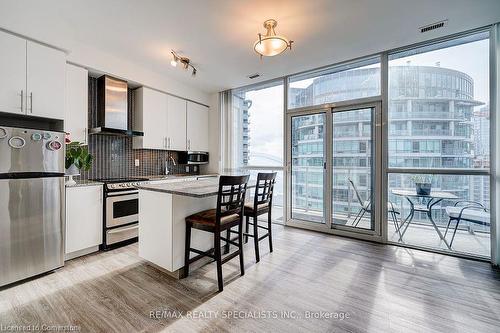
(266, 125)
(266, 112)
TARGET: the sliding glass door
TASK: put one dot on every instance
(352, 168)
(332, 176)
(308, 167)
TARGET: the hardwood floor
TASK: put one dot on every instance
(379, 287)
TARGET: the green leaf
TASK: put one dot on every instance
(78, 155)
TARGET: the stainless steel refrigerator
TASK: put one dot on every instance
(31, 203)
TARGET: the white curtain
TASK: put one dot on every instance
(226, 106)
(495, 109)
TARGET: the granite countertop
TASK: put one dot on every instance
(85, 182)
(200, 188)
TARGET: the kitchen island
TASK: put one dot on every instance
(162, 211)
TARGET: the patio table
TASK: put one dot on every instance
(433, 199)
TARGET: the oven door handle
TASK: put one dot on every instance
(117, 194)
(114, 231)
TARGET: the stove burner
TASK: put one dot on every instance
(121, 184)
(119, 180)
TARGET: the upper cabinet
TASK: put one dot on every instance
(32, 78)
(45, 74)
(169, 122)
(197, 127)
(76, 108)
(176, 124)
(150, 117)
(12, 74)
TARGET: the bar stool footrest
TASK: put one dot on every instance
(229, 241)
(263, 236)
(230, 256)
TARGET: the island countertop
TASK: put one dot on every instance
(200, 188)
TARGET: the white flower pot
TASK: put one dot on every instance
(70, 172)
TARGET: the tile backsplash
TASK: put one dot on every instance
(114, 156)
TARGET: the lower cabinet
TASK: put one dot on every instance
(83, 220)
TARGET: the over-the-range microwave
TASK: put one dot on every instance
(197, 157)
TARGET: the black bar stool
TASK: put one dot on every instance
(228, 214)
(262, 204)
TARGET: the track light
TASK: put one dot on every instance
(186, 63)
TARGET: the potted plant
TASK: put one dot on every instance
(77, 158)
(423, 184)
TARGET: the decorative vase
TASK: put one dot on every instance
(423, 188)
(70, 172)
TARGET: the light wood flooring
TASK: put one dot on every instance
(380, 288)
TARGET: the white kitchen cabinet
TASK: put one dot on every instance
(176, 124)
(32, 78)
(150, 117)
(12, 74)
(169, 122)
(46, 68)
(197, 127)
(84, 212)
(76, 106)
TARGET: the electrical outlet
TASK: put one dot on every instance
(187, 168)
(137, 163)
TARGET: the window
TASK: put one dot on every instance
(256, 135)
(446, 126)
(339, 83)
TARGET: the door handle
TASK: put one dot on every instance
(114, 231)
(22, 100)
(31, 102)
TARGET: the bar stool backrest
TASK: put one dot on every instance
(264, 189)
(231, 196)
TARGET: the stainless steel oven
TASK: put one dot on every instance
(122, 208)
(121, 212)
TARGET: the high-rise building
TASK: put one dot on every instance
(241, 122)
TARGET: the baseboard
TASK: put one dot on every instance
(80, 253)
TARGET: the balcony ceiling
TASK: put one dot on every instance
(218, 35)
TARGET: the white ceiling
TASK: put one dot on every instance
(218, 35)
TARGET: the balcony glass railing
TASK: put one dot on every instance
(427, 216)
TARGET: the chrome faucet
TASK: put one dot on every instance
(166, 164)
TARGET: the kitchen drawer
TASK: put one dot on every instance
(122, 233)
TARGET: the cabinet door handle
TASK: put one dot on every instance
(31, 102)
(22, 100)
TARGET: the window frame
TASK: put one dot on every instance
(448, 83)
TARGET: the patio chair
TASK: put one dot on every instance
(366, 208)
(472, 211)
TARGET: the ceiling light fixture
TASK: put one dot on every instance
(271, 44)
(184, 61)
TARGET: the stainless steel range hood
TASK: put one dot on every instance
(112, 108)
